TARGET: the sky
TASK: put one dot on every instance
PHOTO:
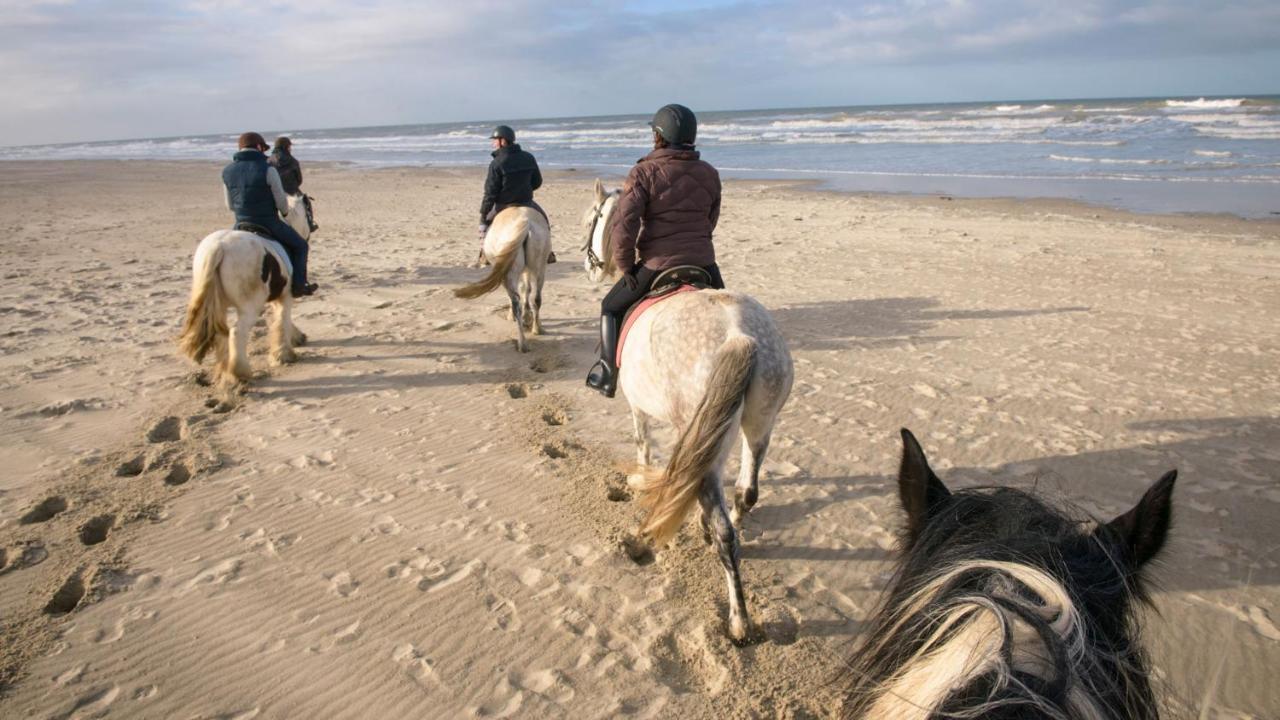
(76, 70)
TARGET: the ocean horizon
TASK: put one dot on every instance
(1154, 154)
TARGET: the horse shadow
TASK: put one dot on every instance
(880, 322)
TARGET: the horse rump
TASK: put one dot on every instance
(701, 443)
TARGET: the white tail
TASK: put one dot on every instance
(206, 320)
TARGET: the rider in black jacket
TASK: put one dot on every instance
(513, 176)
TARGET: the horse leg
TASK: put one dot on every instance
(282, 331)
(755, 442)
(246, 316)
(716, 521)
(517, 314)
(538, 280)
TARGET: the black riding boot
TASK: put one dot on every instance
(604, 374)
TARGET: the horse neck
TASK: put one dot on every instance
(946, 633)
(601, 238)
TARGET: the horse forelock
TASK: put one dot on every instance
(974, 636)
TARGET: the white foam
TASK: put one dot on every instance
(1109, 161)
(1212, 153)
(1204, 103)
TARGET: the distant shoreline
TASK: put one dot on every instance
(1009, 202)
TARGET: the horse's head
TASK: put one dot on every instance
(940, 522)
(297, 217)
(1003, 606)
(597, 221)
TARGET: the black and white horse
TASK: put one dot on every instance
(1003, 607)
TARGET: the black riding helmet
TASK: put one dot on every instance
(504, 132)
(676, 124)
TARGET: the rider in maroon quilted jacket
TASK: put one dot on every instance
(668, 210)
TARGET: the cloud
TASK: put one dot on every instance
(77, 69)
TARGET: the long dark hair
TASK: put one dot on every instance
(1003, 607)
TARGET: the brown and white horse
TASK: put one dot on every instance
(712, 364)
(517, 245)
(240, 270)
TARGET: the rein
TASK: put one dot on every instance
(594, 260)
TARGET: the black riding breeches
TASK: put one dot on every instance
(620, 299)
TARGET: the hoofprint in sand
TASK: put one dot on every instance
(414, 520)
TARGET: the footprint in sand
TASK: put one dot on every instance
(503, 613)
(167, 429)
(132, 467)
(217, 574)
(344, 635)
(97, 529)
(419, 570)
(471, 568)
(342, 584)
(92, 704)
(48, 509)
(117, 629)
(68, 597)
(550, 684)
(416, 664)
(516, 391)
(178, 474)
(687, 662)
(22, 556)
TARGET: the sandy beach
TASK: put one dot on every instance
(417, 521)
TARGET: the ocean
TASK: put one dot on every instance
(1143, 154)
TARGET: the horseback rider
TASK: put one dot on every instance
(286, 164)
(668, 210)
(513, 176)
(255, 193)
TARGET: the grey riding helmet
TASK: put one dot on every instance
(504, 132)
(676, 124)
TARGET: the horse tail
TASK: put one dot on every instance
(670, 498)
(497, 272)
(207, 309)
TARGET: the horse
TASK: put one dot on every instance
(1004, 607)
(713, 364)
(298, 220)
(241, 270)
(517, 245)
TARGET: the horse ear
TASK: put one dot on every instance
(1144, 527)
(600, 193)
(920, 491)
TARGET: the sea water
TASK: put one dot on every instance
(1145, 154)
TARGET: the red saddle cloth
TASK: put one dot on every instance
(639, 308)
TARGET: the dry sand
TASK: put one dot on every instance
(417, 521)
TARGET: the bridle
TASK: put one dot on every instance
(593, 260)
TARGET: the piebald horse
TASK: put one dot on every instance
(244, 271)
(1003, 607)
(712, 364)
(517, 246)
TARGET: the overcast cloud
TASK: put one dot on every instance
(85, 70)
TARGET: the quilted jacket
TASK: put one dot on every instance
(669, 207)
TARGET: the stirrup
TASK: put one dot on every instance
(604, 378)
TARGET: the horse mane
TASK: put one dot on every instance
(981, 623)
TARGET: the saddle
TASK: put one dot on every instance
(254, 228)
(272, 274)
(668, 284)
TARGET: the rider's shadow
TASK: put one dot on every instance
(880, 322)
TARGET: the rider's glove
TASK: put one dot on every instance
(484, 230)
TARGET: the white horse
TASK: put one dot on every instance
(241, 270)
(712, 364)
(517, 245)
